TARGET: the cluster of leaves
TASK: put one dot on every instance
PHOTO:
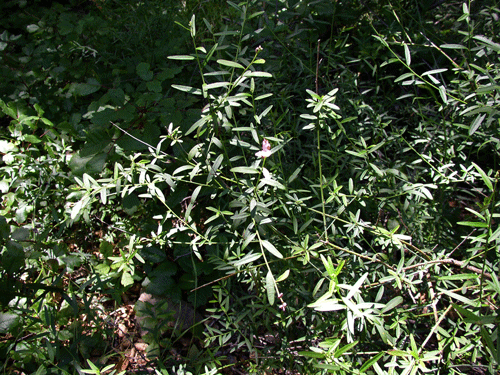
(362, 236)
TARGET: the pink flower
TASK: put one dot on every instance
(266, 150)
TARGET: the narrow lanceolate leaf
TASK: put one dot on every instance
(188, 89)
(407, 54)
(474, 224)
(392, 304)
(458, 297)
(231, 64)
(246, 170)
(345, 348)
(215, 167)
(270, 247)
(371, 362)
(327, 305)
(356, 286)
(215, 85)
(250, 257)
(283, 276)
(484, 176)
(181, 57)
(270, 288)
(257, 74)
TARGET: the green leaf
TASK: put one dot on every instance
(231, 64)
(312, 354)
(181, 57)
(344, 349)
(484, 176)
(489, 344)
(8, 322)
(473, 224)
(250, 257)
(192, 26)
(458, 297)
(127, 279)
(249, 73)
(143, 71)
(245, 170)
(407, 54)
(371, 362)
(270, 247)
(215, 167)
(392, 304)
(154, 85)
(84, 89)
(283, 276)
(32, 139)
(188, 89)
(355, 287)
(488, 42)
(270, 288)
(327, 305)
(215, 85)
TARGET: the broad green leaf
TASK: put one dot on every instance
(8, 322)
(270, 247)
(88, 88)
(143, 71)
(127, 279)
(154, 85)
(32, 139)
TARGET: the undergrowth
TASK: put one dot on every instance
(316, 182)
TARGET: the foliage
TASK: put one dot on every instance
(318, 180)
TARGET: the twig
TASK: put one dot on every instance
(137, 139)
(435, 327)
(317, 68)
(454, 262)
